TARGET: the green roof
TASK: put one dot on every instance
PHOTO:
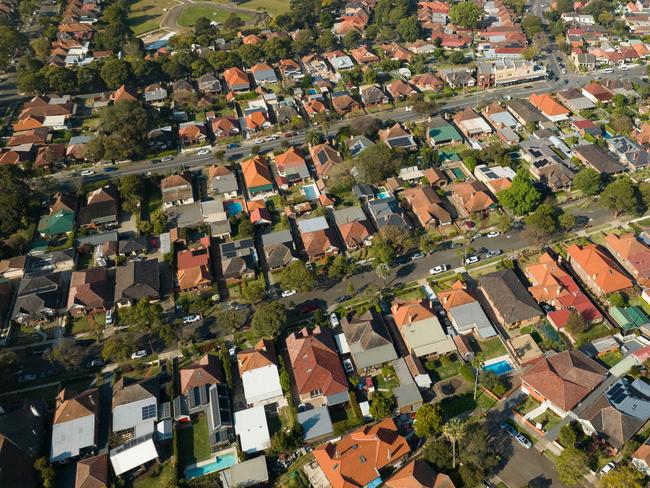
(442, 132)
(60, 222)
(448, 156)
(629, 318)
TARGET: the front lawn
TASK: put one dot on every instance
(193, 442)
(527, 406)
(84, 324)
(485, 401)
(548, 420)
(192, 13)
(611, 358)
(344, 419)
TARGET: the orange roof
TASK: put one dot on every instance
(206, 372)
(256, 120)
(405, 313)
(290, 157)
(72, 407)
(354, 233)
(235, 76)
(262, 355)
(637, 255)
(455, 296)
(125, 93)
(602, 269)
(314, 106)
(472, 196)
(256, 172)
(356, 459)
(546, 104)
(419, 474)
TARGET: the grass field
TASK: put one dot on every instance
(273, 7)
(192, 13)
(145, 15)
(193, 441)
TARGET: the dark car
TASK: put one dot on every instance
(309, 308)
(385, 309)
(109, 169)
(155, 161)
(232, 145)
(342, 298)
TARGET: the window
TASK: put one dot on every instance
(315, 393)
(148, 412)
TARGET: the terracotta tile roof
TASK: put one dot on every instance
(419, 474)
(457, 295)
(356, 459)
(406, 313)
(643, 452)
(174, 181)
(315, 362)
(473, 196)
(315, 106)
(291, 157)
(235, 76)
(262, 355)
(256, 120)
(318, 242)
(194, 277)
(256, 172)
(354, 233)
(92, 472)
(261, 67)
(125, 93)
(602, 269)
(629, 248)
(71, 407)
(427, 206)
(565, 378)
(546, 104)
(400, 89)
(206, 372)
(364, 55)
(324, 158)
(598, 91)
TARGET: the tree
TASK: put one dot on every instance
(438, 451)
(477, 364)
(568, 435)
(313, 137)
(502, 222)
(268, 319)
(457, 57)
(428, 420)
(623, 476)
(123, 131)
(541, 224)
(229, 319)
(340, 268)
(233, 22)
(532, 24)
(567, 221)
(479, 457)
(429, 242)
(571, 465)
(529, 53)
(382, 250)
(67, 354)
(46, 473)
(159, 221)
(382, 406)
(522, 197)
(10, 41)
(254, 291)
(245, 228)
(297, 277)
(131, 188)
(454, 431)
(383, 271)
(617, 299)
(7, 361)
(14, 195)
(377, 163)
(409, 29)
(117, 347)
(587, 181)
(465, 14)
(351, 39)
(115, 72)
(249, 54)
(620, 196)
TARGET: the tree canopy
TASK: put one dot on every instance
(522, 197)
(465, 14)
(541, 224)
(620, 196)
(13, 199)
(268, 319)
(588, 181)
(377, 163)
(571, 465)
(382, 406)
(297, 277)
(428, 420)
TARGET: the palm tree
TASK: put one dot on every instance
(454, 431)
(476, 363)
(313, 137)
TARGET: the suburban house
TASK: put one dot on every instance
(396, 137)
(56, 224)
(92, 472)
(324, 157)
(641, 458)
(598, 159)
(440, 133)
(137, 280)
(400, 90)
(549, 107)
(177, 190)
(101, 207)
(372, 95)
(597, 93)
(89, 292)
(427, 206)
(524, 112)
(505, 71)
(155, 95)
(343, 103)
(471, 124)
(209, 84)
(135, 408)
(40, 298)
(472, 198)
(259, 373)
(257, 177)
(418, 473)
(222, 182)
(236, 80)
(575, 100)
(511, 303)
(363, 55)
(368, 341)
(316, 366)
(555, 287)
(562, 380)
(194, 266)
(238, 260)
(290, 167)
(318, 239)
(428, 82)
(279, 249)
(354, 229)
(75, 425)
(263, 74)
(597, 269)
(379, 446)
(420, 328)
(223, 127)
(632, 155)
(386, 212)
(192, 134)
(632, 254)
(251, 426)
(465, 312)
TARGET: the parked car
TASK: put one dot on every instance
(94, 363)
(155, 161)
(167, 159)
(385, 308)
(203, 152)
(471, 259)
(288, 293)
(524, 441)
(509, 429)
(438, 269)
(607, 468)
(492, 253)
(109, 316)
(334, 320)
(347, 366)
(342, 298)
(416, 255)
(139, 354)
(271, 138)
(24, 378)
(87, 172)
(190, 319)
(258, 141)
(494, 233)
(110, 169)
(232, 145)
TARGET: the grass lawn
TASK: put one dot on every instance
(611, 358)
(82, 324)
(492, 348)
(164, 478)
(344, 419)
(485, 401)
(444, 371)
(457, 404)
(548, 420)
(640, 302)
(273, 7)
(145, 15)
(193, 445)
(192, 13)
(596, 332)
(527, 406)
(387, 382)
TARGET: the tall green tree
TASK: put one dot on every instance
(541, 224)
(522, 197)
(14, 199)
(571, 465)
(297, 277)
(588, 181)
(465, 14)
(269, 319)
(620, 196)
(428, 420)
(454, 431)
(382, 406)
(377, 163)
(115, 72)
(623, 476)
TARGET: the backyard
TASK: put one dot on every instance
(491, 348)
(595, 332)
(442, 369)
(611, 358)
(193, 443)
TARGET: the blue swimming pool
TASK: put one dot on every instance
(500, 367)
(384, 194)
(220, 463)
(310, 192)
(234, 208)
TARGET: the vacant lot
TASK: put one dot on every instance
(145, 15)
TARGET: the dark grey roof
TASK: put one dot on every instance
(387, 212)
(367, 330)
(525, 110)
(132, 245)
(137, 279)
(38, 297)
(509, 296)
(599, 159)
(125, 391)
(315, 423)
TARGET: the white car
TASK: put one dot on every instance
(506, 97)
(167, 159)
(438, 269)
(347, 365)
(564, 71)
(109, 316)
(139, 354)
(270, 138)
(258, 141)
(494, 233)
(190, 319)
(471, 260)
(624, 68)
(524, 441)
(203, 152)
(607, 468)
(288, 293)
(334, 320)
(607, 70)
(87, 172)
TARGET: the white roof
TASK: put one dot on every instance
(133, 454)
(477, 125)
(252, 429)
(342, 343)
(313, 224)
(261, 384)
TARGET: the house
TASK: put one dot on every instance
(419, 374)
(100, 210)
(597, 269)
(358, 144)
(18, 465)
(465, 312)
(472, 197)
(575, 100)
(236, 80)
(192, 134)
(471, 124)
(125, 93)
(257, 177)
(134, 454)
(598, 159)
(553, 286)
(597, 93)
(137, 280)
(317, 370)
(586, 127)
(75, 425)
(632, 254)
(290, 167)
(252, 428)
(238, 260)
(183, 91)
(279, 249)
(407, 395)
(209, 84)
(549, 107)
(428, 82)
(400, 90)
(92, 472)
(223, 182)
(134, 408)
(13, 268)
(418, 473)
(40, 298)
(629, 153)
(314, 106)
(641, 458)
(354, 229)
(360, 457)
(524, 112)
(343, 103)
(427, 206)
(505, 71)
(363, 55)
(396, 137)
(89, 292)
(60, 223)
(194, 266)
(459, 79)
(263, 74)
(511, 303)
(155, 94)
(368, 341)
(317, 238)
(224, 127)
(177, 190)
(325, 158)
(440, 133)
(562, 380)
(386, 212)
(259, 373)
(420, 328)
(495, 178)
(339, 61)
(372, 95)
(290, 69)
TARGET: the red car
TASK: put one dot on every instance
(309, 308)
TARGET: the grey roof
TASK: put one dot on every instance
(315, 423)
(248, 473)
(132, 245)
(471, 316)
(369, 341)
(279, 237)
(238, 258)
(509, 296)
(312, 224)
(188, 215)
(279, 255)
(632, 152)
(611, 424)
(347, 215)
(39, 263)
(386, 211)
(407, 396)
(97, 239)
(361, 190)
(525, 110)
(38, 297)
(224, 183)
(358, 144)
(631, 398)
(134, 392)
(137, 279)
(599, 159)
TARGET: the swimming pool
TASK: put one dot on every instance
(220, 463)
(234, 208)
(311, 192)
(500, 367)
(458, 174)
